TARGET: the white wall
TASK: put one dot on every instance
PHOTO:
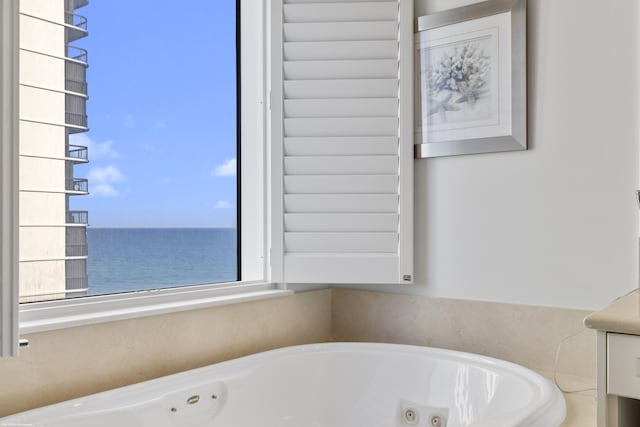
(39, 35)
(41, 278)
(32, 70)
(46, 9)
(42, 179)
(556, 225)
(38, 139)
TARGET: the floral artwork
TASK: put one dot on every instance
(472, 68)
(458, 81)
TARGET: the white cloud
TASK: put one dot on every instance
(97, 150)
(223, 204)
(104, 190)
(226, 168)
(107, 174)
(102, 180)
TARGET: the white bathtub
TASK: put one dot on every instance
(324, 385)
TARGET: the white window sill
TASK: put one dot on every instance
(50, 315)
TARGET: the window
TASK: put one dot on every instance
(60, 313)
(274, 171)
(128, 146)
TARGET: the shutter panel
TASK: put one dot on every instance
(342, 141)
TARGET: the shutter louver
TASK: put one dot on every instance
(346, 203)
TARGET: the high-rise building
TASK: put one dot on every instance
(53, 97)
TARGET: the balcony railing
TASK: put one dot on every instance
(75, 112)
(79, 152)
(77, 184)
(78, 217)
(76, 77)
(76, 119)
(76, 20)
(76, 86)
(76, 26)
(74, 283)
(77, 250)
(78, 54)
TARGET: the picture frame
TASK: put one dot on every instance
(473, 80)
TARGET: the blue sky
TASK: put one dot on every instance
(162, 139)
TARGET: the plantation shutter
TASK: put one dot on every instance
(342, 147)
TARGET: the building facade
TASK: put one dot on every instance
(53, 97)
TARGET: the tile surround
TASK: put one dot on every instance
(73, 362)
(581, 410)
(68, 363)
(523, 334)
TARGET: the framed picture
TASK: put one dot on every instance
(473, 84)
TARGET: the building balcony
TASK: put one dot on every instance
(77, 122)
(78, 217)
(76, 244)
(76, 81)
(77, 185)
(75, 26)
(76, 274)
(78, 54)
(75, 74)
(77, 4)
(79, 153)
(77, 284)
(76, 113)
(77, 249)
(79, 86)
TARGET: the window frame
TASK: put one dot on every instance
(9, 75)
(251, 34)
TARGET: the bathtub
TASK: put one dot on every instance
(324, 385)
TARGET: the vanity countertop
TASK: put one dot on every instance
(622, 315)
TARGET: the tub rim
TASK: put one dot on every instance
(547, 392)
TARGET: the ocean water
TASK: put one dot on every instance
(128, 259)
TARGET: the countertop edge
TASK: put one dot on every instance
(621, 316)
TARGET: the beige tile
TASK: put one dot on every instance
(581, 410)
(580, 397)
(69, 363)
(64, 364)
(527, 335)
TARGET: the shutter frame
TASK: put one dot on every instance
(342, 141)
